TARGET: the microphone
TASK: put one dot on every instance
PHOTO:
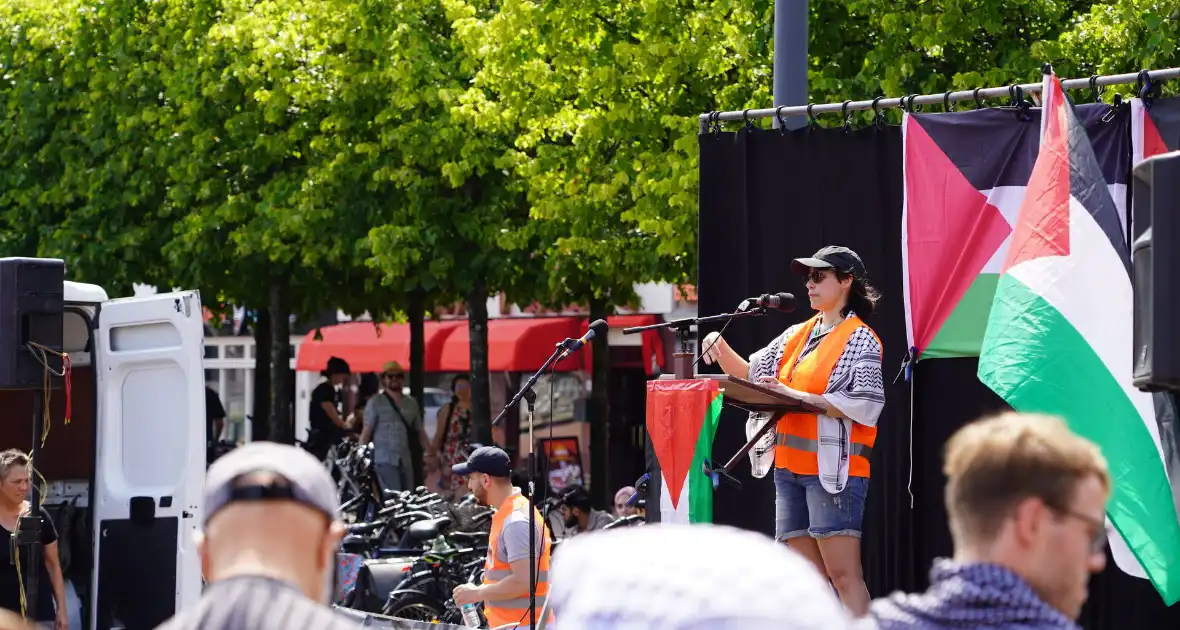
(599, 327)
(784, 302)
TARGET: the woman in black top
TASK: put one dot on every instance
(51, 587)
(327, 424)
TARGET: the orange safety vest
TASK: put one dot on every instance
(797, 439)
(514, 611)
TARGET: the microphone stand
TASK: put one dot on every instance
(682, 361)
(526, 392)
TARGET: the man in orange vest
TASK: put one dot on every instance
(505, 588)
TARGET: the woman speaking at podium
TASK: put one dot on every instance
(821, 462)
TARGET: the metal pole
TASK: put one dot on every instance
(790, 57)
(929, 99)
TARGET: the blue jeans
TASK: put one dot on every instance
(803, 508)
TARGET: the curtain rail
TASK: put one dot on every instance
(931, 99)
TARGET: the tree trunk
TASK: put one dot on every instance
(417, 346)
(601, 488)
(260, 421)
(512, 424)
(481, 394)
(281, 428)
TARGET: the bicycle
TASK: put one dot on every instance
(425, 593)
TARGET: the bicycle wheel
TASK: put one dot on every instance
(414, 606)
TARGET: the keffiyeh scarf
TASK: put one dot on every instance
(978, 596)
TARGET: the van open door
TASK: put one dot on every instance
(149, 465)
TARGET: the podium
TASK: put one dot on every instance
(682, 420)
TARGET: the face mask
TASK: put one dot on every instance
(571, 520)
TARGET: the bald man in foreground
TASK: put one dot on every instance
(268, 543)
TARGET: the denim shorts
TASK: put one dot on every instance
(803, 507)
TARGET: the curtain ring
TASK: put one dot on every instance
(1094, 88)
(1143, 83)
(1015, 95)
(978, 100)
(847, 118)
(878, 115)
(946, 102)
(778, 114)
(811, 122)
(746, 118)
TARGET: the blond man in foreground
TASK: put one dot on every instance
(1026, 500)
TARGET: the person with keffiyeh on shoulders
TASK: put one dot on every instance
(821, 461)
(1026, 500)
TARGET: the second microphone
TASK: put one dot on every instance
(784, 302)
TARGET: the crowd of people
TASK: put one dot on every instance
(1025, 499)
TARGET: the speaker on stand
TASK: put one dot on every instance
(31, 356)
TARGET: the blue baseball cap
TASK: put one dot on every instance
(489, 460)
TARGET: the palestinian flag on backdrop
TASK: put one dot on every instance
(965, 178)
(1058, 337)
(1155, 127)
(681, 422)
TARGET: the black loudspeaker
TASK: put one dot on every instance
(31, 296)
(1155, 256)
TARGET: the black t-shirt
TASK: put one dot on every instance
(213, 411)
(9, 583)
(328, 432)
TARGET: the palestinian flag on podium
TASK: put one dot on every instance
(681, 422)
(1058, 336)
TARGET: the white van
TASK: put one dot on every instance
(125, 475)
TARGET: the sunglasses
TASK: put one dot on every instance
(393, 375)
(817, 276)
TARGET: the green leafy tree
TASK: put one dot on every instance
(198, 143)
(456, 229)
(602, 100)
(82, 176)
(1117, 37)
(269, 167)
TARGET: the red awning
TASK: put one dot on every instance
(521, 344)
(367, 348)
(515, 344)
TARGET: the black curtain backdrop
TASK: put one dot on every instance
(767, 197)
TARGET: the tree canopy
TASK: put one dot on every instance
(306, 155)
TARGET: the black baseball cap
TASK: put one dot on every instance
(831, 257)
(489, 460)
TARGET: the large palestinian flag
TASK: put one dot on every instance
(681, 422)
(1058, 337)
(965, 178)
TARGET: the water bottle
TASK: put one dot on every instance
(470, 615)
